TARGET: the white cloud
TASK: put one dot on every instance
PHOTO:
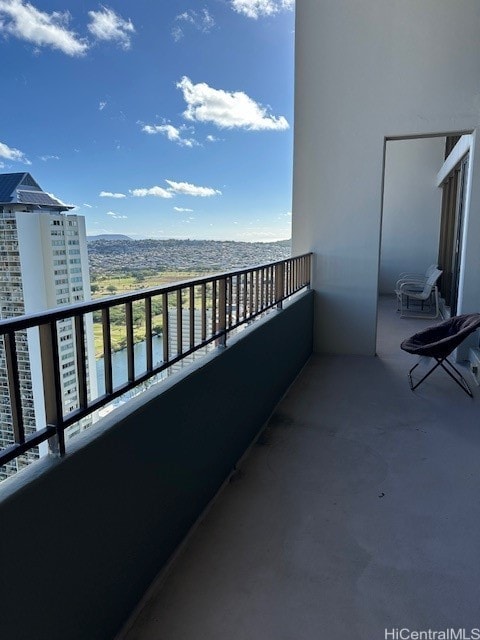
(182, 209)
(89, 206)
(227, 109)
(109, 194)
(108, 25)
(46, 158)
(211, 138)
(24, 21)
(117, 216)
(259, 8)
(185, 188)
(102, 105)
(172, 133)
(207, 20)
(177, 33)
(158, 192)
(186, 16)
(10, 153)
(201, 20)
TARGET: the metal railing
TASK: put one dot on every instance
(190, 315)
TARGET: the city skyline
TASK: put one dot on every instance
(171, 121)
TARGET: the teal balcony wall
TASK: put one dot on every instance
(82, 538)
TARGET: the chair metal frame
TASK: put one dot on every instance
(460, 380)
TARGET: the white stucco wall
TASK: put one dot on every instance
(411, 208)
(367, 71)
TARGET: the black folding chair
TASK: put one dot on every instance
(438, 342)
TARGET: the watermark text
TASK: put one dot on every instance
(404, 633)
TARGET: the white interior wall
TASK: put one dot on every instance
(411, 208)
(367, 71)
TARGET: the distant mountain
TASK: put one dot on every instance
(108, 236)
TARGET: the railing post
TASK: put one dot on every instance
(148, 334)
(14, 387)
(165, 328)
(279, 283)
(107, 350)
(222, 312)
(81, 361)
(51, 385)
(191, 322)
(130, 341)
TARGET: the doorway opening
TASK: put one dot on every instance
(425, 195)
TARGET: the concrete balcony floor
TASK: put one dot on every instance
(358, 510)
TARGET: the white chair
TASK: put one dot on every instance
(420, 278)
(413, 290)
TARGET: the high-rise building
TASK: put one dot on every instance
(43, 264)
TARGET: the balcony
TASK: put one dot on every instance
(355, 511)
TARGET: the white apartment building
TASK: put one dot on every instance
(43, 264)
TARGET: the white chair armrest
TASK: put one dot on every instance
(420, 280)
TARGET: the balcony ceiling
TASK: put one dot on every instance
(357, 511)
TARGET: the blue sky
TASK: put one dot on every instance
(156, 118)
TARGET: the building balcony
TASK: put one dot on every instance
(353, 511)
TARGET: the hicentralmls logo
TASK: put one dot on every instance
(431, 634)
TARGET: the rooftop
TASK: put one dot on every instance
(356, 511)
(21, 188)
